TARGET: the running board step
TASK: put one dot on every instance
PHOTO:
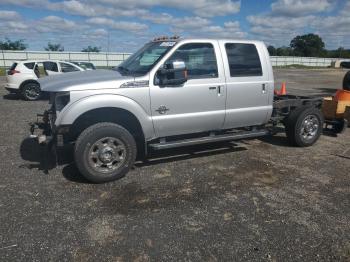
(209, 139)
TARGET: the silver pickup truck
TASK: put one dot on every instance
(171, 93)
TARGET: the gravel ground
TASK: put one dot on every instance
(255, 200)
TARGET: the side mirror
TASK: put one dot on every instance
(172, 74)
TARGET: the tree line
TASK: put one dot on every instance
(309, 45)
(8, 44)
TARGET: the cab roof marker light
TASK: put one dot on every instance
(163, 38)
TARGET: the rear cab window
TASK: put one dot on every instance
(243, 60)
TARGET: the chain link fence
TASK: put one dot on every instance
(101, 59)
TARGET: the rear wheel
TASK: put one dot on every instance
(304, 126)
(105, 152)
(31, 91)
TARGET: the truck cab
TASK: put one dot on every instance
(170, 93)
(229, 84)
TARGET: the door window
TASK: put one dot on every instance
(29, 65)
(243, 60)
(199, 58)
(65, 68)
(51, 66)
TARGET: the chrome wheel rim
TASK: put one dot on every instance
(32, 91)
(107, 155)
(309, 127)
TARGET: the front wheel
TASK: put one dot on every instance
(31, 91)
(304, 126)
(105, 152)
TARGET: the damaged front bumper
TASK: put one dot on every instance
(45, 131)
(42, 129)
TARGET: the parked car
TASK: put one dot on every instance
(172, 93)
(22, 77)
(85, 65)
(345, 64)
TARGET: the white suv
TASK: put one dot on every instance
(23, 75)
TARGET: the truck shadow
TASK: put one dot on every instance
(71, 173)
(42, 159)
(276, 140)
(38, 155)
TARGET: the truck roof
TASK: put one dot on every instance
(171, 39)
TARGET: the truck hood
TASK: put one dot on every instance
(83, 80)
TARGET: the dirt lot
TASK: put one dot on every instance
(256, 200)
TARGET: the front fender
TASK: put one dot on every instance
(72, 111)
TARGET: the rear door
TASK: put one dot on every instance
(199, 104)
(247, 84)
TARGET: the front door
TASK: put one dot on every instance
(199, 104)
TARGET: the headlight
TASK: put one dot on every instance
(61, 100)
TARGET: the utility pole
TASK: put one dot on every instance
(108, 39)
(108, 45)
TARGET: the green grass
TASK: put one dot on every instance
(2, 71)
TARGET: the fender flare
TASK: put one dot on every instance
(83, 105)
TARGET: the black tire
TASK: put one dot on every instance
(346, 81)
(340, 126)
(90, 161)
(31, 91)
(301, 126)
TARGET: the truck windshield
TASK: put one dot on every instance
(145, 58)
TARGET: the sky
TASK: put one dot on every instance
(125, 25)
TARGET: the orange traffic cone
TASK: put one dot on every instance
(283, 90)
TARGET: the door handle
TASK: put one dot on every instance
(218, 88)
(263, 88)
